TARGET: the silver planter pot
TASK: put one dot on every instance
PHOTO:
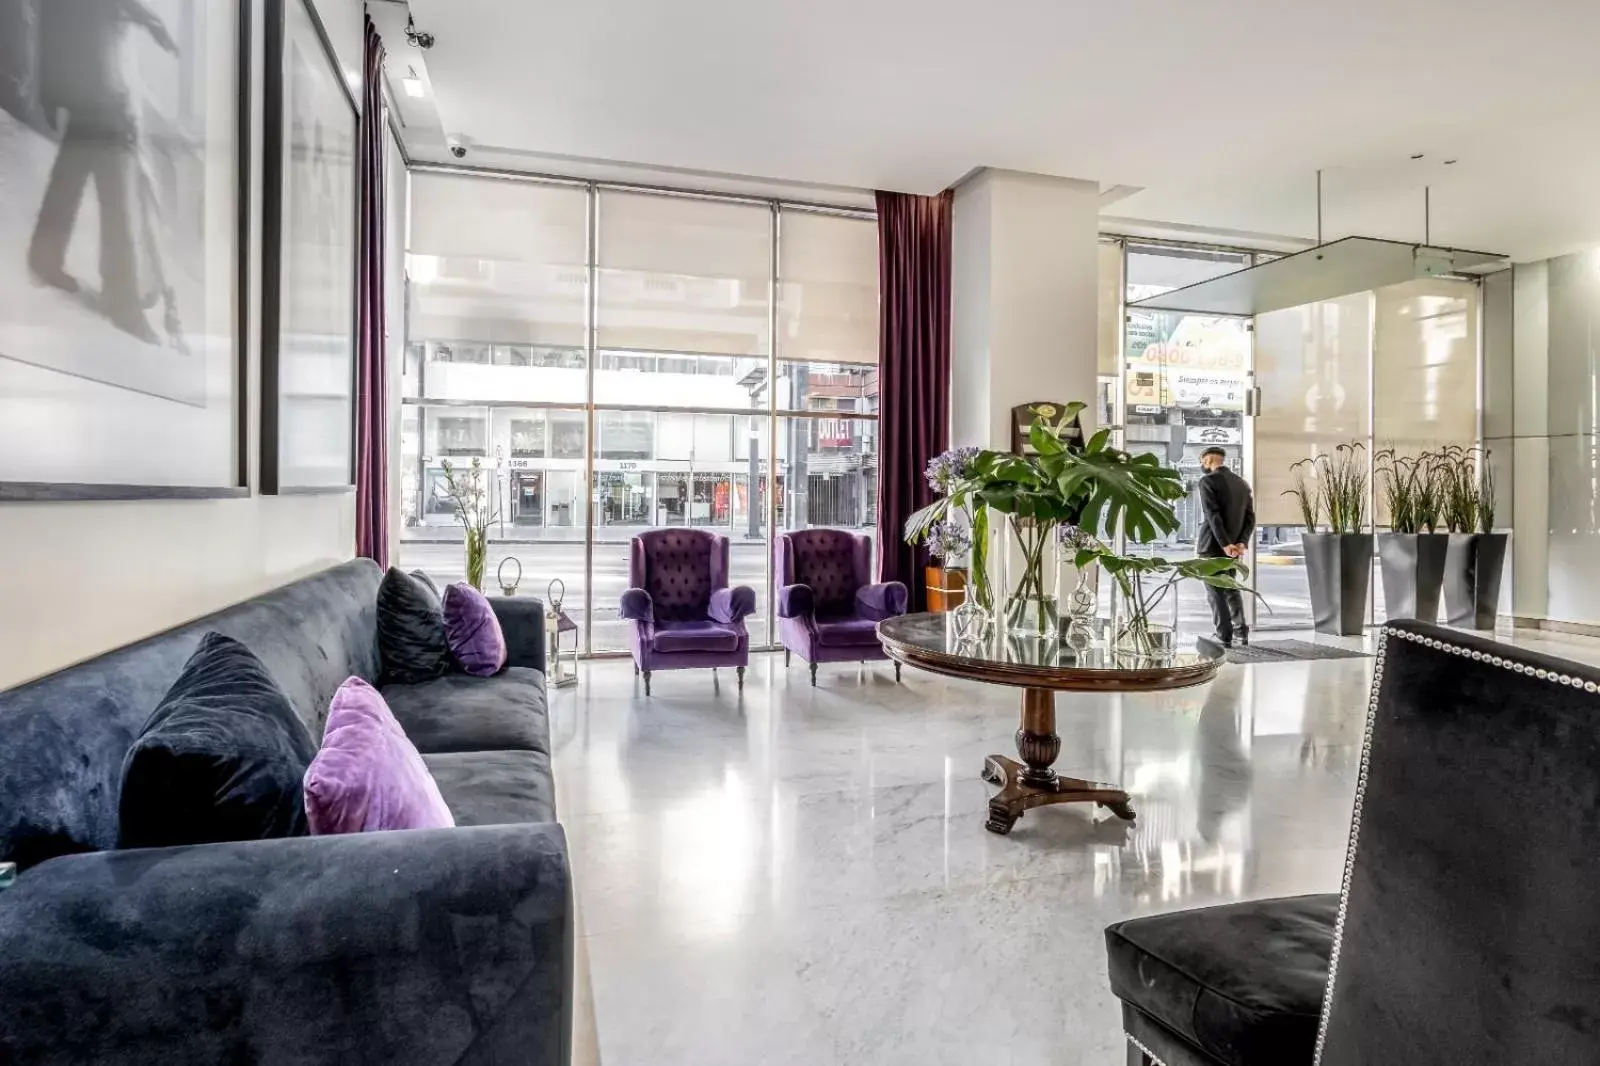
(1339, 571)
(1412, 565)
(1473, 566)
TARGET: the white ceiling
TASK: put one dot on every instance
(1217, 114)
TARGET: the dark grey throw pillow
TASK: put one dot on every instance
(412, 644)
(222, 757)
(428, 581)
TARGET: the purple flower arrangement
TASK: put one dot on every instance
(949, 467)
(947, 540)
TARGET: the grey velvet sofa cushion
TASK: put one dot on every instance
(66, 735)
(461, 713)
(495, 787)
(403, 948)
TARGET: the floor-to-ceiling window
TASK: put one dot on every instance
(620, 359)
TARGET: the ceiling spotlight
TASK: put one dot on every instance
(413, 84)
(1449, 162)
(1417, 156)
(416, 39)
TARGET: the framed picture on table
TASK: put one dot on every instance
(308, 280)
(124, 248)
(1023, 415)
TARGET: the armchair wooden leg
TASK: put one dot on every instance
(813, 675)
(741, 679)
(646, 675)
(786, 657)
(635, 669)
(897, 672)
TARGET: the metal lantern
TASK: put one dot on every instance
(509, 587)
(563, 671)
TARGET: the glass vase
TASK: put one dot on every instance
(1138, 641)
(477, 556)
(974, 617)
(1029, 555)
(1077, 590)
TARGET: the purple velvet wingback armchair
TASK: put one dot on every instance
(828, 607)
(680, 608)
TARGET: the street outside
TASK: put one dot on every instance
(1280, 580)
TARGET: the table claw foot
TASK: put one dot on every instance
(1122, 809)
(1000, 820)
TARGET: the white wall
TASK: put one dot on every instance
(80, 579)
(1024, 300)
(970, 225)
(77, 579)
(1555, 445)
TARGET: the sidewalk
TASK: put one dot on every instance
(559, 535)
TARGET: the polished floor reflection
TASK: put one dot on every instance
(801, 875)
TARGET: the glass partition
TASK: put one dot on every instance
(1396, 367)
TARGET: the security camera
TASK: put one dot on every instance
(458, 148)
(416, 38)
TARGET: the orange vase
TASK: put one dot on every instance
(947, 587)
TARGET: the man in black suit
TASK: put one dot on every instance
(1229, 514)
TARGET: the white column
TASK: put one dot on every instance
(1023, 300)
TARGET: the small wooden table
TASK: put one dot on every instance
(1041, 668)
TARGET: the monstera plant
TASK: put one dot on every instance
(1063, 481)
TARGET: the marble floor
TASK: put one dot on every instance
(801, 875)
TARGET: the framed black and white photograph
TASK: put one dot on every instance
(122, 248)
(308, 278)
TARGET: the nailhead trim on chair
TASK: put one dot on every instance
(1361, 781)
(1350, 848)
(1151, 1055)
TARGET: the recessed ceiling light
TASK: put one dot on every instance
(1449, 162)
(1417, 156)
(413, 87)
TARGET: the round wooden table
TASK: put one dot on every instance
(1041, 668)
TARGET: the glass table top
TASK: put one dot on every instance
(1084, 655)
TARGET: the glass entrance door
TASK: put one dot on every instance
(1185, 380)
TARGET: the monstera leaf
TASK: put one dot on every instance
(1115, 486)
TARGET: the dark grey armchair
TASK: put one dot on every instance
(1468, 928)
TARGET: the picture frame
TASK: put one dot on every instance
(124, 369)
(311, 118)
(1022, 417)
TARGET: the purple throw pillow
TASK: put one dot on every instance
(368, 775)
(476, 639)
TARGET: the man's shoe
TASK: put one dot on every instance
(1220, 640)
(1244, 638)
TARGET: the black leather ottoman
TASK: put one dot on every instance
(1236, 985)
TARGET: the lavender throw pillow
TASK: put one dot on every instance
(368, 775)
(476, 639)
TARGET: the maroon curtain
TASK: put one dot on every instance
(914, 370)
(372, 379)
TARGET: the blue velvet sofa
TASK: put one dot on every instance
(432, 946)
